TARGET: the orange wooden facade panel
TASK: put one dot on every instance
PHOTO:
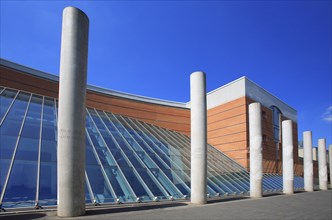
(231, 138)
(237, 145)
(117, 101)
(230, 113)
(227, 129)
(140, 112)
(237, 154)
(13, 79)
(240, 119)
(173, 118)
(227, 106)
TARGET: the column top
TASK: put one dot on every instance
(197, 74)
(71, 9)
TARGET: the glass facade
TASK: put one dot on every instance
(276, 123)
(126, 160)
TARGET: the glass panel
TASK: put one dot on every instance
(49, 133)
(3, 171)
(98, 184)
(120, 157)
(276, 123)
(6, 99)
(22, 180)
(100, 187)
(48, 183)
(150, 183)
(48, 156)
(153, 164)
(28, 145)
(125, 158)
(114, 175)
(13, 121)
(21, 188)
(135, 183)
(11, 127)
(87, 195)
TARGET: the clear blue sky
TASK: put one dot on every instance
(151, 47)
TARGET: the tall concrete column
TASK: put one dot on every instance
(287, 157)
(71, 120)
(256, 156)
(330, 163)
(322, 166)
(198, 138)
(307, 162)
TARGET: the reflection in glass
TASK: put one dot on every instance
(126, 160)
(6, 99)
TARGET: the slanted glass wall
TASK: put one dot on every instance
(126, 160)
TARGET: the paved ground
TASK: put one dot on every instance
(304, 205)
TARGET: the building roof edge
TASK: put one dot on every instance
(92, 88)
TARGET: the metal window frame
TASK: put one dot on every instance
(14, 153)
(140, 127)
(39, 156)
(186, 150)
(154, 131)
(122, 176)
(87, 181)
(212, 166)
(150, 148)
(224, 160)
(151, 195)
(101, 167)
(9, 107)
(2, 89)
(148, 156)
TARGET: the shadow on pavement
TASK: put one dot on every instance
(23, 216)
(131, 208)
(273, 194)
(226, 199)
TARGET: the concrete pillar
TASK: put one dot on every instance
(307, 162)
(322, 166)
(198, 138)
(330, 163)
(287, 157)
(71, 121)
(256, 156)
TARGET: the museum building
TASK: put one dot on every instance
(137, 148)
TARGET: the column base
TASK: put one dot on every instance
(288, 187)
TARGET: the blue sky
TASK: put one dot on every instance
(151, 47)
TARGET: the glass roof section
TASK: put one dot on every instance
(126, 160)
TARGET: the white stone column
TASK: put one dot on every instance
(198, 138)
(307, 162)
(256, 156)
(322, 166)
(287, 157)
(71, 120)
(330, 163)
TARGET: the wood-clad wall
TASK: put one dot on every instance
(272, 163)
(228, 130)
(177, 119)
